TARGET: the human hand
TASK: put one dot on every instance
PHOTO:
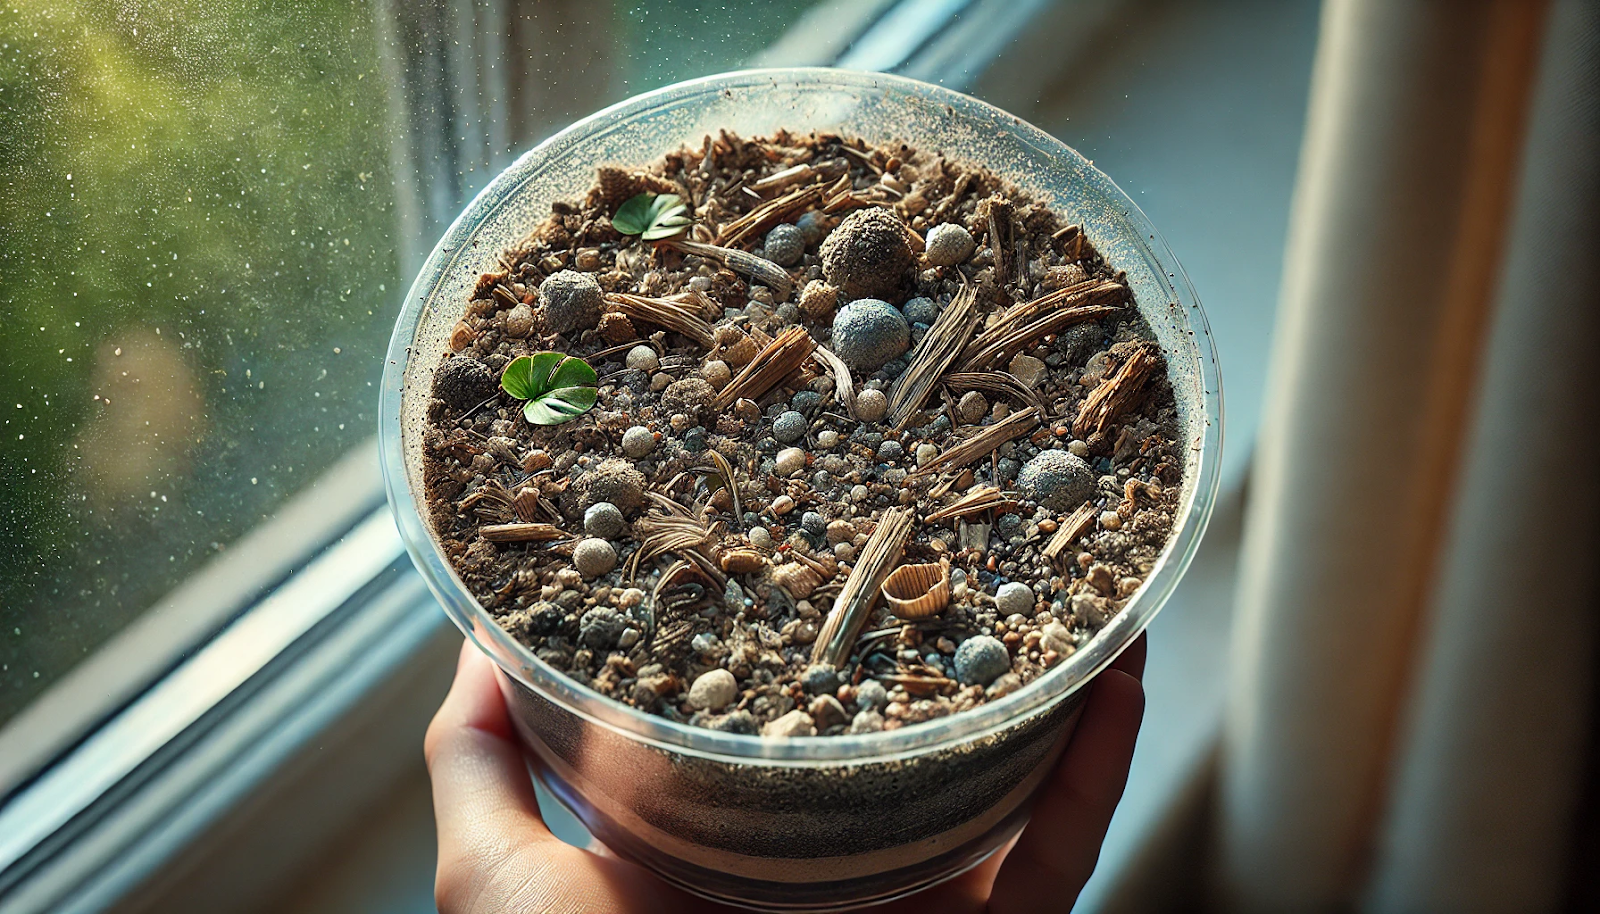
(496, 855)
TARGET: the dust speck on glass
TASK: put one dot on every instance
(199, 269)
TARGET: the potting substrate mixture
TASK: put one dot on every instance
(877, 438)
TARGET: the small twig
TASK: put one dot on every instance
(522, 533)
(777, 361)
(861, 589)
(1142, 360)
(943, 343)
(1013, 426)
(844, 387)
(1075, 525)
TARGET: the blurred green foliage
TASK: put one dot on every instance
(211, 173)
(199, 227)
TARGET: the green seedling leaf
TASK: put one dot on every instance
(652, 216)
(517, 379)
(558, 387)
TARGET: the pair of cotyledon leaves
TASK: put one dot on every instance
(558, 387)
(652, 216)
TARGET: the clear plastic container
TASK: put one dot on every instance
(817, 822)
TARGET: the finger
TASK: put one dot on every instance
(1131, 660)
(1057, 852)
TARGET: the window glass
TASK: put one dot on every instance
(202, 252)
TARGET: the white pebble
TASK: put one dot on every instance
(948, 244)
(1110, 520)
(713, 690)
(643, 358)
(925, 453)
(1015, 597)
(795, 723)
(603, 519)
(790, 460)
(717, 373)
(760, 537)
(1056, 637)
(871, 405)
(638, 442)
(783, 504)
(594, 557)
(827, 438)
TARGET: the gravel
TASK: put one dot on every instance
(981, 660)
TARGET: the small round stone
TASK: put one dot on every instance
(920, 311)
(891, 451)
(463, 383)
(812, 226)
(795, 723)
(713, 690)
(785, 245)
(717, 373)
(926, 452)
(871, 405)
(638, 442)
(614, 480)
(594, 557)
(789, 427)
(827, 438)
(871, 694)
(868, 721)
(643, 358)
(601, 628)
(1058, 480)
(1110, 520)
(948, 244)
(814, 523)
(1056, 637)
(572, 301)
(1078, 448)
(690, 396)
(869, 332)
(789, 461)
(1015, 597)
(782, 505)
(805, 401)
(603, 519)
(818, 299)
(981, 660)
(760, 537)
(820, 678)
(868, 254)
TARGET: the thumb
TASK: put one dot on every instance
(483, 799)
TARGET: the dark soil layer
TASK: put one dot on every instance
(985, 391)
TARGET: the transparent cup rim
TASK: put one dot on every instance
(1051, 687)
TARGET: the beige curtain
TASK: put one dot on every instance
(1416, 618)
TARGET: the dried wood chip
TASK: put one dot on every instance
(878, 557)
(1140, 361)
(664, 312)
(976, 501)
(995, 382)
(781, 358)
(1073, 526)
(522, 533)
(1013, 426)
(946, 338)
(757, 269)
(1023, 324)
(844, 389)
(755, 223)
